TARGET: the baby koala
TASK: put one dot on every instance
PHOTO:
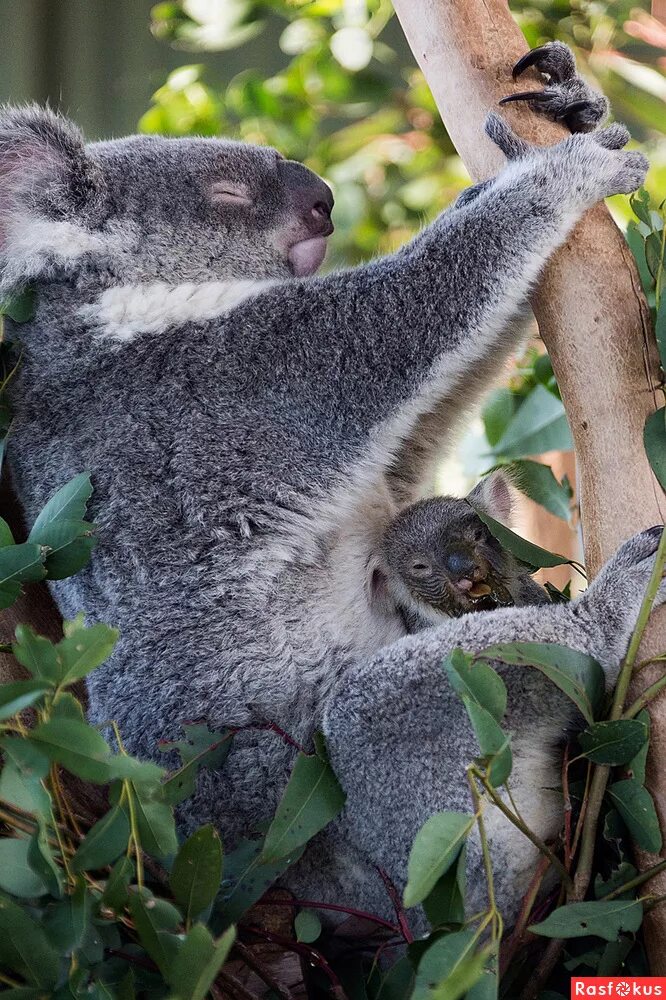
(439, 561)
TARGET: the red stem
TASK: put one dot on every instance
(349, 910)
(311, 954)
(397, 905)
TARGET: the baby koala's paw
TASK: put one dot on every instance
(566, 97)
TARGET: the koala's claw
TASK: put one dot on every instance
(554, 58)
(566, 97)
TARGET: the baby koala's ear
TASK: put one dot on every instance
(494, 496)
(49, 191)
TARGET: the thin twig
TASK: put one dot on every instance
(643, 699)
(394, 896)
(638, 880)
(517, 937)
(524, 829)
(349, 910)
(264, 974)
(307, 951)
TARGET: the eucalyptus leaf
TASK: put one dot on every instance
(69, 543)
(68, 504)
(613, 742)
(77, 746)
(151, 935)
(445, 904)
(104, 842)
(494, 744)
(198, 962)
(578, 675)
(654, 440)
(635, 806)
(84, 650)
(25, 947)
(37, 654)
(312, 798)
(660, 330)
(539, 425)
(435, 848)
(604, 919)
(20, 307)
(478, 681)
(17, 695)
(439, 960)
(157, 827)
(17, 875)
(42, 860)
(533, 556)
(19, 564)
(307, 926)
(246, 879)
(537, 482)
(196, 872)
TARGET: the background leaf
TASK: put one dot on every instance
(435, 848)
(196, 872)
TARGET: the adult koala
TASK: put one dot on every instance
(252, 429)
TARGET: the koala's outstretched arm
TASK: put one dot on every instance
(400, 740)
(352, 347)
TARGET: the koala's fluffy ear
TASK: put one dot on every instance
(494, 496)
(50, 192)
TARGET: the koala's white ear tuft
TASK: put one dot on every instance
(494, 496)
(49, 190)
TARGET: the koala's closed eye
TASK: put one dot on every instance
(230, 193)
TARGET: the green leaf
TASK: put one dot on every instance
(20, 307)
(200, 748)
(246, 879)
(442, 958)
(157, 827)
(578, 675)
(660, 330)
(115, 891)
(637, 247)
(435, 848)
(445, 904)
(69, 504)
(312, 798)
(66, 706)
(637, 765)
(196, 872)
(25, 948)
(16, 874)
(494, 744)
(485, 988)
(37, 654)
(537, 482)
(151, 935)
(24, 790)
(198, 962)
(398, 982)
(42, 861)
(17, 695)
(28, 759)
(6, 537)
(70, 544)
(307, 926)
(613, 742)
(84, 650)
(497, 413)
(478, 681)
(654, 440)
(604, 919)
(19, 564)
(635, 806)
(531, 555)
(104, 842)
(77, 746)
(539, 425)
(66, 923)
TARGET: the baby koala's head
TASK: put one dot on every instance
(438, 560)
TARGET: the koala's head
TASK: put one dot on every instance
(438, 560)
(148, 208)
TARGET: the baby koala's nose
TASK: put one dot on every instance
(463, 567)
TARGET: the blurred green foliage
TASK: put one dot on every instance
(350, 102)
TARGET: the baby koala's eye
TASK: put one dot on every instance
(421, 568)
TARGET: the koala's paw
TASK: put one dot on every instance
(626, 575)
(597, 165)
(566, 96)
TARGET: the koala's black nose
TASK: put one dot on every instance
(460, 564)
(309, 196)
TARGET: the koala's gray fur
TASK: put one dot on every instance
(246, 464)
